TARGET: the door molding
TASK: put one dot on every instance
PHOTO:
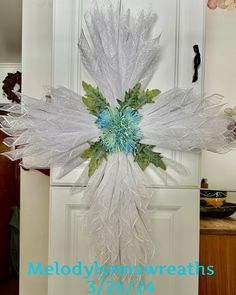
(67, 24)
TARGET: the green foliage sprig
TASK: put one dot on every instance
(96, 153)
(136, 98)
(93, 99)
(144, 156)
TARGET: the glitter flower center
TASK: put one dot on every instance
(120, 129)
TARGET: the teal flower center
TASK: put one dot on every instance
(120, 129)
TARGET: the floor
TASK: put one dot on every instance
(10, 286)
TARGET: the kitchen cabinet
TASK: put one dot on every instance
(218, 248)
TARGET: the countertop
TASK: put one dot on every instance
(217, 226)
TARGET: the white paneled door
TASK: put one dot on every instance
(174, 210)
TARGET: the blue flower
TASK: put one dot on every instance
(121, 132)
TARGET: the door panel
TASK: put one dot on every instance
(181, 25)
(189, 160)
(173, 227)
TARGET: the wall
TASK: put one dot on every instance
(221, 78)
(10, 31)
(36, 66)
(10, 39)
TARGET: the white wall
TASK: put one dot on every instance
(10, 31)
(221, 78)
(36, 66)
(10, 39)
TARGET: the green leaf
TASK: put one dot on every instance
(136, 98)
(142, 161)
(94, 165)
(96, 153)
(93, 99)
(87, 154)
(147, 96)
(145, 156)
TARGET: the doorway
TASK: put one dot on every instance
(10, 81)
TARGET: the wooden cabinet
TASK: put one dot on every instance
(218, 248)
